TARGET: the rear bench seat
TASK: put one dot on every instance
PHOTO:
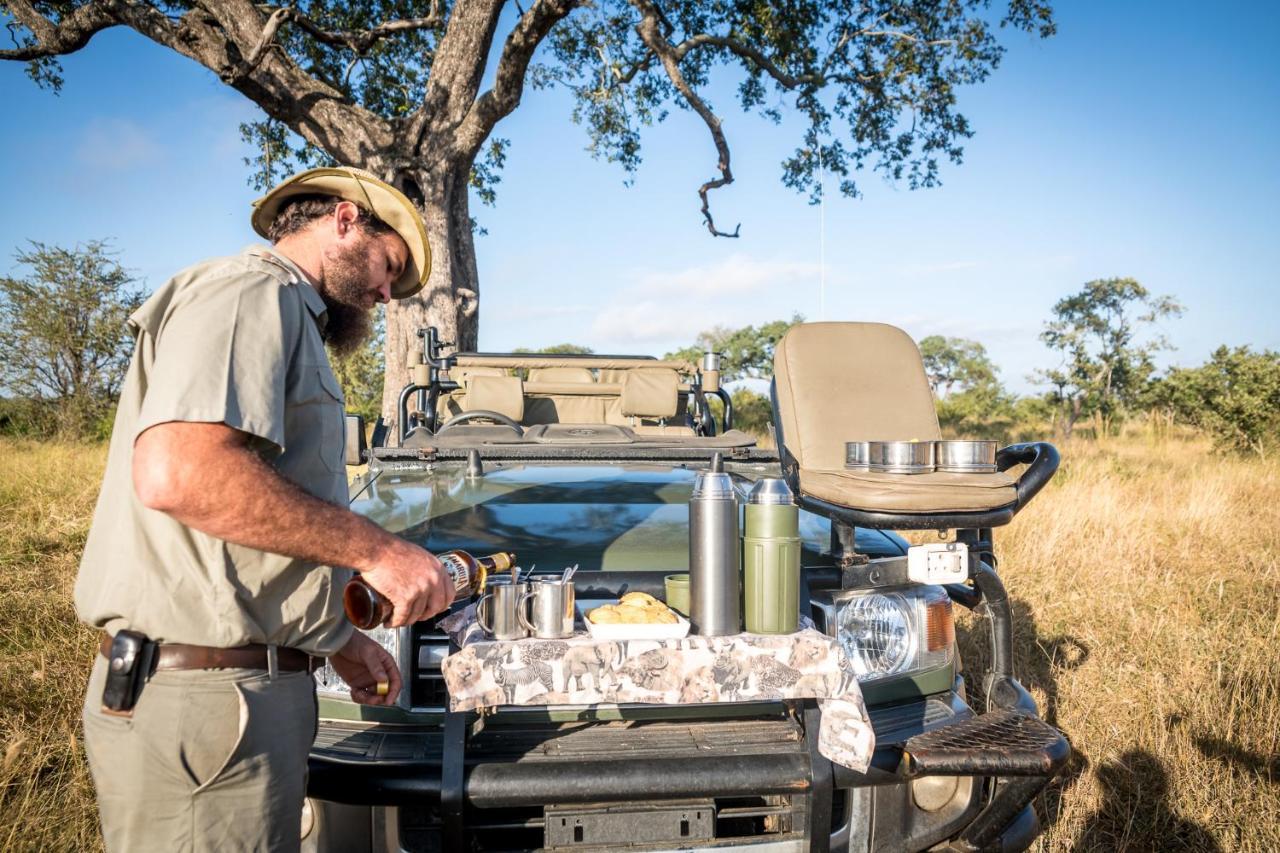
(644, 399)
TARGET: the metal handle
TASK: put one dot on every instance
(520, 611)
(480, 611)
(1041, 459)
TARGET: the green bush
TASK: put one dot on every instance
(1235, 397)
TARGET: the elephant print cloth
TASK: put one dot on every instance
(582, 670)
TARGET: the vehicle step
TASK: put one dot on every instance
(1000, 743)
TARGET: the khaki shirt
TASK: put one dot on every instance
(237, 341)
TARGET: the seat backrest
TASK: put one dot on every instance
(839, 382)
(650, 393)
(452, 403)
(563, 408)
(501, 394)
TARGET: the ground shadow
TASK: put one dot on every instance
(1135, 814)
(1265, 767)
(1038, 661)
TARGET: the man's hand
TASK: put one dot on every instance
(412, 579)
(362, 663)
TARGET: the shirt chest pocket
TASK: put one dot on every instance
(316, 416)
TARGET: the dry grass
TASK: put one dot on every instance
(47, 494)
(1146, 585)
(1146, 582)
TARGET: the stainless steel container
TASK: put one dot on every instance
(549, 604)
(714, 557)
(857, 455)
(966, 457)
(497, 611)
(901, 457)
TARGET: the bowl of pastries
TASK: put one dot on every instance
(634, 616)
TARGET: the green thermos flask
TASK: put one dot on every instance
(771, 559)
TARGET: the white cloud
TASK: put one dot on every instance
(115, 144)
(736, 274)
(646, 321)
(667, 309)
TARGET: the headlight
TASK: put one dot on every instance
(892, 633)
(329, 683)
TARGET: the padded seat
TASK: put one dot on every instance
(935, 492)
(840, 382)
(558, 408)
(650, 397)
(501, 394)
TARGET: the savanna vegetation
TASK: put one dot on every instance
(1144, 581)
(1145, 577)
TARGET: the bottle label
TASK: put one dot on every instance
(458, 573)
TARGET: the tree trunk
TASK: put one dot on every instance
(450, 299)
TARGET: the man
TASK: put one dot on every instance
(212, 565)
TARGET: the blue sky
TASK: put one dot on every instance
(1140, 141)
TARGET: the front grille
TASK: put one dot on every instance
(429, 645)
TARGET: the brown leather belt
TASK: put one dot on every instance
(253, 656)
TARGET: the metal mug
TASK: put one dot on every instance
(505, 597)
(552, 609)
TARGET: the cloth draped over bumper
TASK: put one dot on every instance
(582, 670)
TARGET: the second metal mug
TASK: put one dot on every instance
(498, 610)
(552, 609)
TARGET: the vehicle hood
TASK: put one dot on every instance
(610, 517)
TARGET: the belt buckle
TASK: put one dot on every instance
(273, 662)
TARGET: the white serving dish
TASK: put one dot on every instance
(644, 631)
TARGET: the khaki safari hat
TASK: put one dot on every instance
(378, 197)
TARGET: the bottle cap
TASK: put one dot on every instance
(712, 485)
(770, 490)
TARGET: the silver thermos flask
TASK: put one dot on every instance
(714, 558)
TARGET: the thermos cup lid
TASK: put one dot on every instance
(770, 490)
(713, 485)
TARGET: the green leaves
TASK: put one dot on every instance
(1235, 397)
(64, 343)
(1105, 337)
(747, 352)
(278, 153)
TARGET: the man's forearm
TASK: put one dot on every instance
(214, 483)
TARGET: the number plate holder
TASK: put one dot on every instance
(582, 826)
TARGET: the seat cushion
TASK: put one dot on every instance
(910, 493)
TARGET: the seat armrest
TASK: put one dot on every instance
(1042, 460)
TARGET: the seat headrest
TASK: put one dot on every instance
(501, 394)
(839, 382)
(650, 392)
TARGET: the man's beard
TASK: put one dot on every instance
(345, 293)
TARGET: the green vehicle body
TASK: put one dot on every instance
(724, 776)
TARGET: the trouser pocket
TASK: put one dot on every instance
(212, 730)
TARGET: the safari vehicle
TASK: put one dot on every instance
(589, 460)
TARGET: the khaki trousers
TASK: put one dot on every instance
(210, 760)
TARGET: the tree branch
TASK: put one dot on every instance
(359, 41)
(746, 51)
(66, 36)
(508, 85)
(649, 32)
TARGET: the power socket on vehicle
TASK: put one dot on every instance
(938, 563)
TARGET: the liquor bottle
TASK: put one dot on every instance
(367, 608)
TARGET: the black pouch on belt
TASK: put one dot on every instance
(128, 668)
